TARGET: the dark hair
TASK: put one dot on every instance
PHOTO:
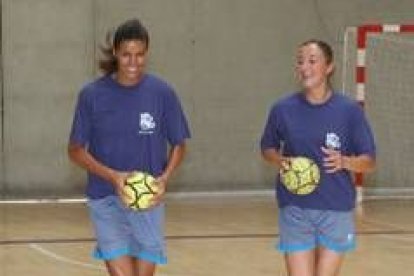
(325, 48)
(131, 29)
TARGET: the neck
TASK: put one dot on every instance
(318, 95)
(127, 81)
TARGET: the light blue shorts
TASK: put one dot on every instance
(121, 231)
(305, 229)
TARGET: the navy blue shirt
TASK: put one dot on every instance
(298, 128)
(127, 127)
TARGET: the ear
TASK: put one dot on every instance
(296, 75)
(330, 69)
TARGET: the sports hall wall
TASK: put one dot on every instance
(228, 60)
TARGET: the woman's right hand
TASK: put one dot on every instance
(118, 181)
(285, 163)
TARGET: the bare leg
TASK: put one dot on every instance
(328, 262)
(123, 266)
(301, 263)
(144, 268)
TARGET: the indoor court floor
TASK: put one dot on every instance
(232, 236)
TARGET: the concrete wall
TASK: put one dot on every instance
(2, 192)
(228, 60)
(47, 50)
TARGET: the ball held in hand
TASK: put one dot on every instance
(139, 189)
(301, 176)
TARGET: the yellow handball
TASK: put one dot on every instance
(140, 188)
(302, 176)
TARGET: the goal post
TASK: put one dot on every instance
(378, 71)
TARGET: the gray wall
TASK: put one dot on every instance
(228, 60)
(47, 46)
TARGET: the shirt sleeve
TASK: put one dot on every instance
(271, 137)
(362, 138)
(81, 126)
(177, 129)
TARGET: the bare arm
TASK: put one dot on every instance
(273, 157)
(80, 156)
(335, 161)
(360, 164)
(176, 156)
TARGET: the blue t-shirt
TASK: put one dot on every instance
(127, 127)
(299, 128)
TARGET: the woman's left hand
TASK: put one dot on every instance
(159, 196)
(333, 161)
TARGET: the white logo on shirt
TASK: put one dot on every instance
(146, 123)
(332, 141)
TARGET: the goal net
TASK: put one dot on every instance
(378, 70)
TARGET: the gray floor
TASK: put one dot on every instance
(220, 236)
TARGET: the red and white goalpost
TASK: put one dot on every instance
(375, 58)
(362, 33)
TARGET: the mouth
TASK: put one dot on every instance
(132, 69)
(305, 78)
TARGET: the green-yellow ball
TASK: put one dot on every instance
(302, 176)
(140, 188)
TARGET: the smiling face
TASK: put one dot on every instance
(313, 67)
(131, 56)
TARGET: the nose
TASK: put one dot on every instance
(132, 60)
